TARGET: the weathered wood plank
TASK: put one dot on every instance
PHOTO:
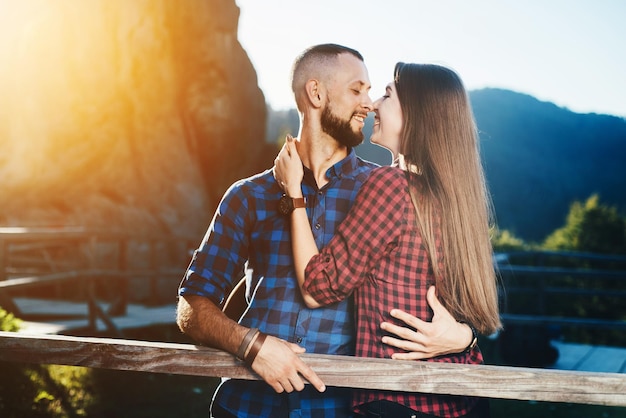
(510, 269)
(35, 281)
(473, 380)
(566, 321)
(15, 234)
(85, 274)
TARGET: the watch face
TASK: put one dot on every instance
(285, 205)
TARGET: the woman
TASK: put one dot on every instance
(421, 222)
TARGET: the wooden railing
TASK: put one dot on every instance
(535, 275)
(28, 262)
(428, 377)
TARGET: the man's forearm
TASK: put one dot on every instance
(275, 360)
(204, 322)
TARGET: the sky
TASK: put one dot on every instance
(568, 52)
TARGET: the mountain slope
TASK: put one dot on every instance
(538, 158)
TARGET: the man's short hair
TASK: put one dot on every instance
(313, 59)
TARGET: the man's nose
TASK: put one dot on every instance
(367, 103)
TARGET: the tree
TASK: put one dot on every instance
(590, 227)
(504, 241)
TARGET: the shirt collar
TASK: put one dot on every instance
(344, 168)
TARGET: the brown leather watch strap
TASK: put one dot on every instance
(299, 202)
(254, 350)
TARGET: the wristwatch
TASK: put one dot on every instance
(287, 204)
(474, 341)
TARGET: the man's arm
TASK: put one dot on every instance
(277, 361)
(444, 335)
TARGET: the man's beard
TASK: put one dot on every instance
(340, 129)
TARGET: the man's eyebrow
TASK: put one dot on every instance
(362, 83)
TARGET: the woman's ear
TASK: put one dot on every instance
(314, 92)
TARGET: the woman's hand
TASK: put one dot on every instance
(288, 169)
(422, 340)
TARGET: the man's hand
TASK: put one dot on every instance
(423, 340)
(277, 361)
(279, 365)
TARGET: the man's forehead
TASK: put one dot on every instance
(350, 70)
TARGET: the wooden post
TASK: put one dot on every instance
(153, 280)
(119, 305)
(3, 267)
(6, 302)
(91, 305)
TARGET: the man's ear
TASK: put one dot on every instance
(314, 92)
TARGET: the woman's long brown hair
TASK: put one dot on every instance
(440, 139)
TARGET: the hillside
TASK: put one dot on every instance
(538, 158)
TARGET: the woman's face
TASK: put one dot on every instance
(388, 121)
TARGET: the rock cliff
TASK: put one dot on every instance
(134, 116)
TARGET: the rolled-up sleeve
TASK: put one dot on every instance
(218, 264)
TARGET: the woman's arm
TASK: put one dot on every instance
(303, 244)
(444, 335)
(304, 248)
(343, 264)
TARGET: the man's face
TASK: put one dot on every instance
(347, 102)
(340, 129)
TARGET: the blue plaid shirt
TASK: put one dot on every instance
(248, 234)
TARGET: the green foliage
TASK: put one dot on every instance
(505, 241)
(8, 322)
(44, 391)
(590, 227)
(41, 391)
(36, 391)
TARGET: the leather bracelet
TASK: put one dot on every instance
(246, 342)
(256, 347)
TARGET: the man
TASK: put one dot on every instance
(250, 233)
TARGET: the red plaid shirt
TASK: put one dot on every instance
(377, 253)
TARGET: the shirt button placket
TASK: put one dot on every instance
(318, 211)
